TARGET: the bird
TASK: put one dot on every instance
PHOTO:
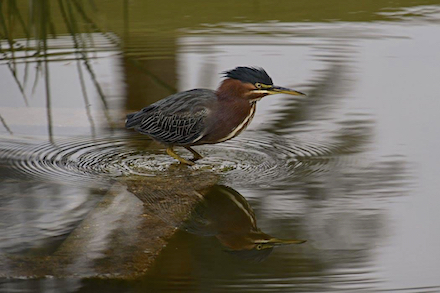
(225, 214)
(204, 116)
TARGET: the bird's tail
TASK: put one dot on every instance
(132, 120)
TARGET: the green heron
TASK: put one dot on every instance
(203, 116)
(225, 214)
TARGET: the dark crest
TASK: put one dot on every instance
(249, 74)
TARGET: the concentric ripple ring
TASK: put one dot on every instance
(258, 159)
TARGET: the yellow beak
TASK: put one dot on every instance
(273, 90)
(279, 242)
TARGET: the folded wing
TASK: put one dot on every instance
(179, 119)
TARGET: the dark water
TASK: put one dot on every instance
(352, 168)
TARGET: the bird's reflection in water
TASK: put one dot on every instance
(225, 214)
(216, 211)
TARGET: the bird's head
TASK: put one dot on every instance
(255, 246)
(252, 83)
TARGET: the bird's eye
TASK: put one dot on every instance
(259, 247)
(258, 85)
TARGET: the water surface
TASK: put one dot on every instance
(352, 168)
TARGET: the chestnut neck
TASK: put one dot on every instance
(232, 89)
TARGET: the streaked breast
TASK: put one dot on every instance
(242, 126)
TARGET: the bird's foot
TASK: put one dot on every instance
(171, 152)
(187, 162)
(196, 158)
(196, 155)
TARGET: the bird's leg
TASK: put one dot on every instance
(171, 152)
(197, 156)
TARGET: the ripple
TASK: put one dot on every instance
(258, 159)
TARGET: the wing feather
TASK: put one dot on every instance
(179, 119)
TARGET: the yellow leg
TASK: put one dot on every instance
(197, 156)
(171, 152)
